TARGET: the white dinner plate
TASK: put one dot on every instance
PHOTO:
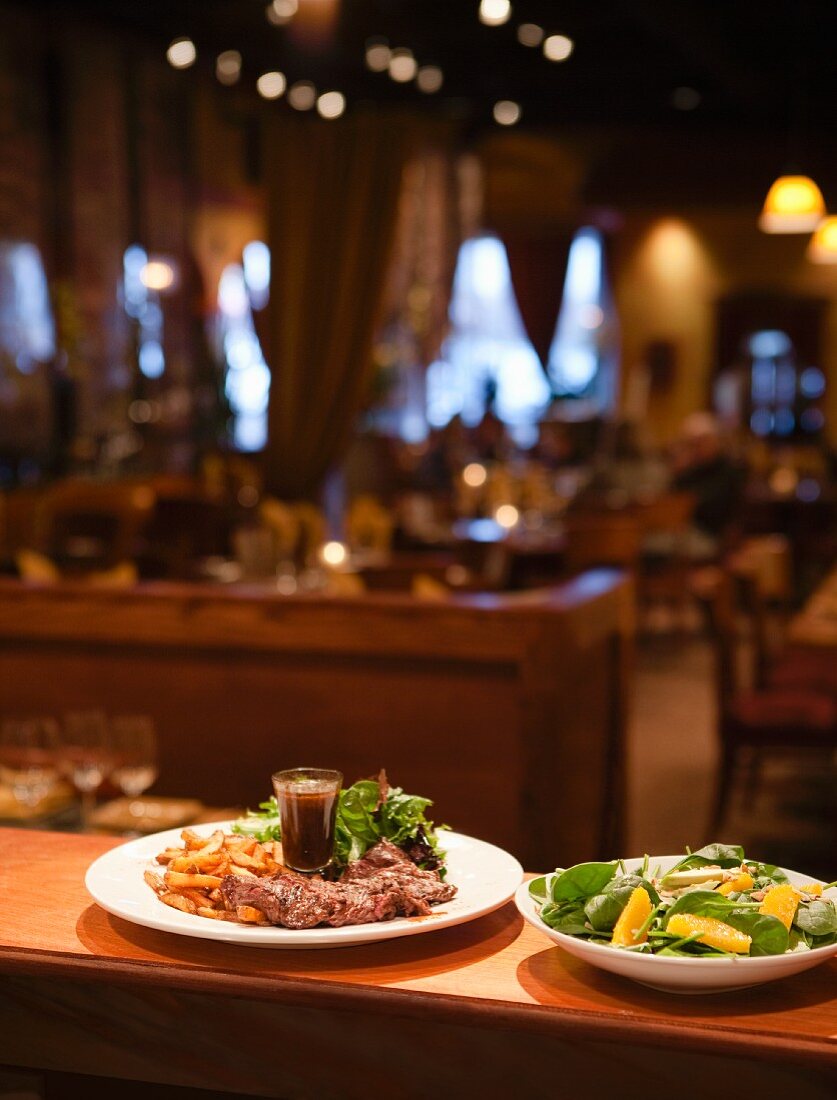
(710, 975)
(486, 878)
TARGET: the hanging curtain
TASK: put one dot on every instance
(538, 265)
(332, 202)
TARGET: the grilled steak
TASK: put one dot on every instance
(383, 885)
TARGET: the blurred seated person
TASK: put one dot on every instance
(442, 458)
(702, 467)
(489, 436)
(628, 470)
(555, 447)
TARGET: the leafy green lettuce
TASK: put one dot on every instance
(367, 811)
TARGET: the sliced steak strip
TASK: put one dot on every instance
(381, 886)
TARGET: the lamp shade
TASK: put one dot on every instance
(823, 246)
(794, 204)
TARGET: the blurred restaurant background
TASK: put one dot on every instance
(449, 387)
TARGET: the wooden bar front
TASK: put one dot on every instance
(488, 1009)
(508, 711)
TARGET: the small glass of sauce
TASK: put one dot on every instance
(307, 800)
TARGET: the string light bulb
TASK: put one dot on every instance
(228, 67)
(507, 112)
(271, 85)
(493, 13)
(280, 12)
(331, 105)
(558, 47)
(181, 53)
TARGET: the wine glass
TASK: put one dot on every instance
(135, 767)
(85, 756)
(28, 761)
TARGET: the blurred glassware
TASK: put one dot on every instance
(135, 758)
(85, 756)
(28, 762)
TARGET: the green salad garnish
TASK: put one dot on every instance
(367, 812)
(714, 903)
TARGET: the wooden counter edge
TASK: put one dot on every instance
(560, 1023)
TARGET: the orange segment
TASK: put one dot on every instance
(781, 902)
(812, 889)
(742, 881)
(714, 933)
(626, 930)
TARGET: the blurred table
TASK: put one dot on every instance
(465, 1011)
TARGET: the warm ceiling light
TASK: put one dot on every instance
(181, 53)
(506, 112)
(331, 104)
(430, 79)
(794, 204)
(378, 54)
(530, 34)
(302, 95)
(281, 11)
(823, 246)
(495, 12)
(402, 66)
(558, 47)
(228, 66)
(271, 85)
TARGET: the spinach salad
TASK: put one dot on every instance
(714, 903)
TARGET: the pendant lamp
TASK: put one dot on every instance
(823, 246)
(794, 204)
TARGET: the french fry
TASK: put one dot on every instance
(194, 872)
(243, 860)
(169, 855)
(193, 840)
(175, 879)
(216, 914)
(155, 882)
(177, 901)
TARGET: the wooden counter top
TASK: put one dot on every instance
(495, 973)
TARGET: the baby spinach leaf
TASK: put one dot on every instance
(604, 909)
(702, 903)
(724, 855)
(537, 889)
(769, 935)
(818, 918)
(766, 873)
(582, 881)
(568, 918)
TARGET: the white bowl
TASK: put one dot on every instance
(710, 975)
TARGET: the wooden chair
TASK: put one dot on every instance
(764, 585)
(602, 538)
(752, 722)
(664, 563)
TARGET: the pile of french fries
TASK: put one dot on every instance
(192, 879)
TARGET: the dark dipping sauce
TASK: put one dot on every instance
(308, 808)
